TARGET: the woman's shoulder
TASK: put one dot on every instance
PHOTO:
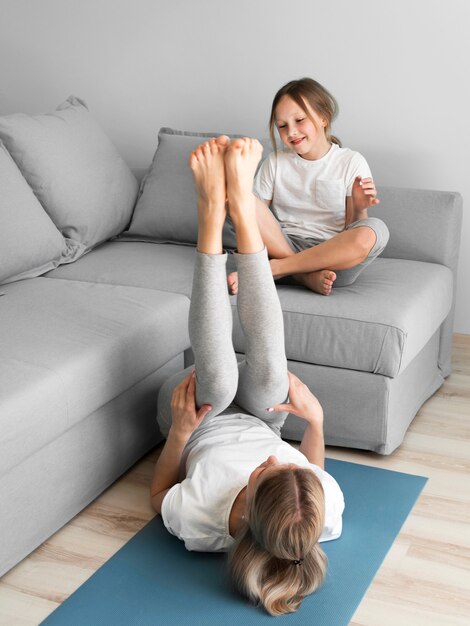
(197, 512)
(330, 485)
(334, 504)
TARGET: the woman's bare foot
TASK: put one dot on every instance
(321, 281)
(207, 165)
(241, 159)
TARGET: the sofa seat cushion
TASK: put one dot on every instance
(166, 267)
(378, 324)
(70, 347)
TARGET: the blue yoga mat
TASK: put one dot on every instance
(154, 580)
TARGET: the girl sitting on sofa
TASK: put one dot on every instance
(225, 480)
(312, 196)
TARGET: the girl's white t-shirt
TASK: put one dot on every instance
(219, 459)
(308, 198)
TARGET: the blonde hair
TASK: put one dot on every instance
(276, 559)
(307, 90)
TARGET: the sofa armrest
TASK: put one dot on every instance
(424, 225)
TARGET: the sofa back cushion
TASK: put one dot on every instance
(75, 171)
(166, 210)
(30, 244)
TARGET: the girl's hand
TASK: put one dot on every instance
(302, 402)
(186, 417)
(364, 194)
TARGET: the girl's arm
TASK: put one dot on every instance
(303, 403)
(363, 195)
(185, 419)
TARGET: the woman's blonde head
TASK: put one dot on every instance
(302, 91)
(276, 559)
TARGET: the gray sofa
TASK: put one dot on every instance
(95, 277)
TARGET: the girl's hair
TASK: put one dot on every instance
(307, 90)
(276, 559)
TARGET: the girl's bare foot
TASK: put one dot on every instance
(207, 165)
(321, 281)
(232, 282)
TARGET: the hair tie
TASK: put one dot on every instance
(297, 561)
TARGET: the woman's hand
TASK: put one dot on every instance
(364, 194)
(186, 417)
(302, 402)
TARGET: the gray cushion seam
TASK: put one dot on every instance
(345, 319)
(403, 334)
(335, 317)
(97, 282)
(64, 389)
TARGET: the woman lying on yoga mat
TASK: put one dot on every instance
(225, 480)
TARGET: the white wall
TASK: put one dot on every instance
(400, 71)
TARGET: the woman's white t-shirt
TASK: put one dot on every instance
(308, 198)
(219, 459)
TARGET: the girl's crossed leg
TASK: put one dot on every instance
(316, 267)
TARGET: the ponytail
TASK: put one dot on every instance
(276, 560)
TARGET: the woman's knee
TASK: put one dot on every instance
(164, 418)
(262, 387)
(216, 391)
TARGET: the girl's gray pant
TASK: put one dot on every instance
(348, 277)
(260, 380)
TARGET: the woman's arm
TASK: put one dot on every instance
(167, 468)
(303, 403)
(313, 444)
(185, 419)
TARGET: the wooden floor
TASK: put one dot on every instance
(424, 581)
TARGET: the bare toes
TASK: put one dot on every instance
(193, 160)
(232, 281)
(214, 148)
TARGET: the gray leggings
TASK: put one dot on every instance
(260, 380)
